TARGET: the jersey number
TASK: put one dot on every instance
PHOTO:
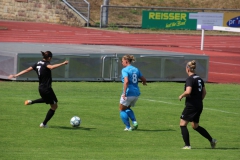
(134, 78)
(39, 67)
(199, 85)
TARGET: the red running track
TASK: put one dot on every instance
(223, 51)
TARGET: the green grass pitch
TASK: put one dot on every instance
(101, 134)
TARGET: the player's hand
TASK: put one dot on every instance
(65, 62)
(124, 96)
(144, 83)
(180, 97)
(11, 76)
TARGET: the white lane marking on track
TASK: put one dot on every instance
(181, 105)
(49, 31)
(225, 74)
(65, 31)
(17, 29)
(225, 63)
(33, 30)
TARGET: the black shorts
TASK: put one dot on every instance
(191, 114)
(48, 95)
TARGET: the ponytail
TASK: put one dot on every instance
(46, 54)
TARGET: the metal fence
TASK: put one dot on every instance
(97, 63)
(81, 7)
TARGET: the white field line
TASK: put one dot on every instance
(219, 110)
(161, 102)
(181, 105)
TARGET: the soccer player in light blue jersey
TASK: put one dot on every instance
(131, 92)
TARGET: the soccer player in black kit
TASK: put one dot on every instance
(194, 92)
(43, 69)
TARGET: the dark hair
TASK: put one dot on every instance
(46, 54)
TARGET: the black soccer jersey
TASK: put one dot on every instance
(44, 73)
(197, 84)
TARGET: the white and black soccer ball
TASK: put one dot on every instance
(75, 121)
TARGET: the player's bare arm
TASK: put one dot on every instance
(144, 81)
(204, 93)
(185, 93)
(125, 86)
(20, 73)
(57, 65)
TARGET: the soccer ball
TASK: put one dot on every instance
(75, 121)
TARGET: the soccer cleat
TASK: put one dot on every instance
(213, 143)
(43, 126)
(135, 125)
(128, 129)
(186, 147)
(28, 102)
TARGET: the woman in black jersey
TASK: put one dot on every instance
(194, 92)
(43, 69)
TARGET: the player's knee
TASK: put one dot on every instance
(195, 126)
(54, 106)
(123, 115)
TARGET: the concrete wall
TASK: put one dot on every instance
(51, 11)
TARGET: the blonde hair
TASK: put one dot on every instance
(129, 58)
(191, 65)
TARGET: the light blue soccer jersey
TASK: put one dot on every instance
(133, 75)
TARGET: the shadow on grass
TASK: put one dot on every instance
(72, 128)
(220, 148)
(155, 130)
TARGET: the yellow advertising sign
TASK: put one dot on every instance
(231, 19)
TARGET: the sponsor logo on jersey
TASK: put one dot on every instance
(40, 62)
